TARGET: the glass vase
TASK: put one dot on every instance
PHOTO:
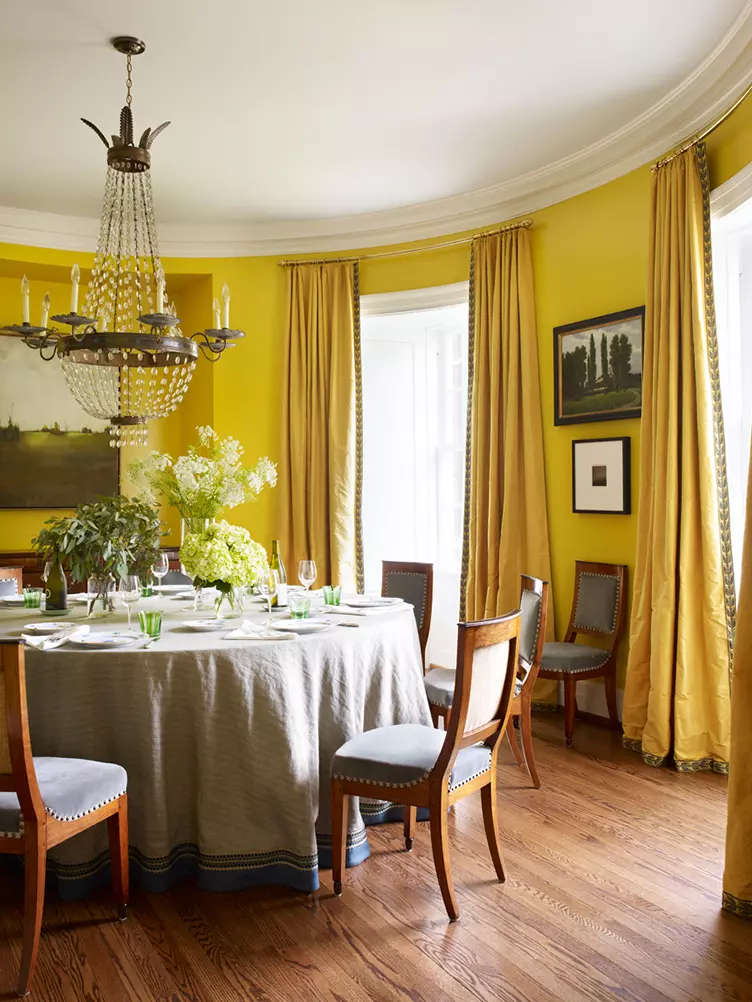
(101, 593)
(191, 523)
(228, 604)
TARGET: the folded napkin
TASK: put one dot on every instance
(374, 610)
(53, 640)
(252, 631)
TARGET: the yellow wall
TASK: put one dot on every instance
(590, 257)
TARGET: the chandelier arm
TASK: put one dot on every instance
(214, 354)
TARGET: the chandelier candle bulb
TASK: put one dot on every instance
(75, 279)
(215, 308)
(226, 310)
(25, 290)
(45, 310)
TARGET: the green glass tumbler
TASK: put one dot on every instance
(300, 605)
(150, 622)
(32, 598)
(332, 594)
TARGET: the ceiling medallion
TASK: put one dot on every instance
(125, 359)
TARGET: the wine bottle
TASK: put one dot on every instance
(57, 588)
(277, 565)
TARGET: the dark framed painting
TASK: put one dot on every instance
(52, 453)
(598, 368)
(601, 476)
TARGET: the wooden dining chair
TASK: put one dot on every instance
(598, 611)
(439, 682)
(420, 766)
(11, 581)
(412, 582)
(45, 801)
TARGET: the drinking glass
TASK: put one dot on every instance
(32, 598)
(307, 573)
(300, 605)
(129, 590)
(332, 594)
(268, 588)
(150, 622)
(161, 567)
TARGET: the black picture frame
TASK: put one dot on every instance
(625, 507)
(597, 327)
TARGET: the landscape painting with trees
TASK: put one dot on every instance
(52, 453)
(598, 368)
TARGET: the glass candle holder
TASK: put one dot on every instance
(150, 622)
(300, 605)
(332, 594)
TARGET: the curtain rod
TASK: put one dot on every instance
(689, 143)
(523, 224)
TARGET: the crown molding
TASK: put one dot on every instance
(712, 87)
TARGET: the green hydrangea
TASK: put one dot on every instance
(223, 556)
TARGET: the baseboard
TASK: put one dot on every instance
(591, 698)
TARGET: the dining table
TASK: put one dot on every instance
(227, 734)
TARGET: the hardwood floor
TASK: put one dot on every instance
(613, 892)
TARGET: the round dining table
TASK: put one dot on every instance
(227, 742)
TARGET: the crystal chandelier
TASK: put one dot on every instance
(125, 359)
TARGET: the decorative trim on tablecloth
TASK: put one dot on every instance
(719, 438)
(737, 906)
(359, 567)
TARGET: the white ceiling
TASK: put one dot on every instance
(294, 119)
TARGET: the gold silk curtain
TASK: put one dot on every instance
(321, 465)
(677, 699)
(506, 525)
(737, 877)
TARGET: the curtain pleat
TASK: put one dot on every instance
(737, 876)
(506, 524)
(676, 701)
(321, 465)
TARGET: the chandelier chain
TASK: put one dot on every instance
(128, 81)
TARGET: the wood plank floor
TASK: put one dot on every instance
(613, 891)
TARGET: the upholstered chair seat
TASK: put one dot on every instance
(404, 755)
(573, 657)
(71, 788)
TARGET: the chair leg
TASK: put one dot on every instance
(613, 709)
(435, 715)
(339, 834)
(526, 726)
(570, 706)
(410, 814)
(491, 824)
(440, 847)
(513, 743)
(35, 866)
(117, 831)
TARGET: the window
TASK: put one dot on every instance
(414, 412)
(732, 277)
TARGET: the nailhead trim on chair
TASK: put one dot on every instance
(17, 834)
(470, 778)
(391, 786)
(528, 591)
(75, 817)
(411, 574)
(611, 577)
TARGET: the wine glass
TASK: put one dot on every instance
(129, 590)
(268, 588)
(307, 573)
(161, 567)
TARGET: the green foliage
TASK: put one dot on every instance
(620, 359)
(598, 402)
(110, 537)
(574, 371)
(605, 377)
(11, 432)
(591, 370)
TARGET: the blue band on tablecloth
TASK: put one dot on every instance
(223, 873)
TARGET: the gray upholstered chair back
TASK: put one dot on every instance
(597, 602)
(490, 666)
(413, 583)
(8, 586)
(177, 578)
(531, 605)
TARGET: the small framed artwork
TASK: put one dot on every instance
(601, 476)
(598, 368)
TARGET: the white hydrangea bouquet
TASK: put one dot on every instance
(207, 479)
(224, 557)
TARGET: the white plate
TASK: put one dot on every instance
(104, 641)
(12, 600)
(167, 589)
(301, 625)
(369, 601)
(44, 628)
(205, 625)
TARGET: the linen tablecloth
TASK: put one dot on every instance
(227, 744)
